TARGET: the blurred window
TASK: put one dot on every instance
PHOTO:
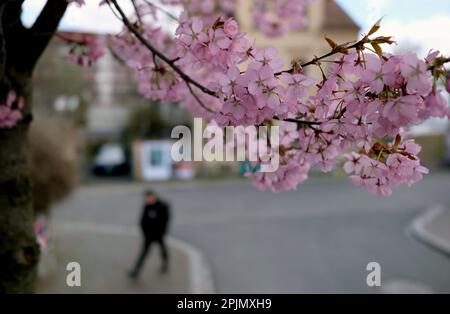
(156, 157)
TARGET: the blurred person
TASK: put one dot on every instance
(154, 224)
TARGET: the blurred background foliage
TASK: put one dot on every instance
(53, 166)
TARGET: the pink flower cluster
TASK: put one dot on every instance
(364, 101)
(380, 174)
(278, 17)
(208, 9)
(155, 79)
(85, 51)
(272, 17)
(11, 110)
(293, 170)
(249, 97)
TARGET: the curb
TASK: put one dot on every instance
(201, 276)
(201, 281)
(420, 232)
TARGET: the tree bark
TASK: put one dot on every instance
(19, 252)
(20, 49)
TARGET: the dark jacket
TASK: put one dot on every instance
(155, 220)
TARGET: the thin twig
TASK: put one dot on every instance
(301, 122)
(136, 9)
(310, 124)
(198, 98)
(170, 15)
(315, 60)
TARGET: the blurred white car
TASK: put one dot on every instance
(111, 160)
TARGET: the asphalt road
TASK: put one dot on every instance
(318, 239)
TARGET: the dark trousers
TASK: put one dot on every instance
(148, 241)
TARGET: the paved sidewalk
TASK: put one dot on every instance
(106, 257)
(433, 228)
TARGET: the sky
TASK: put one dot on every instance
(420, 25)
(89, 18)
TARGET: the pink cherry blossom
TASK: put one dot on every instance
(11, 110)
(277, 17)
(415, 70)
(297, 85)
(268, 57)
(85, 51)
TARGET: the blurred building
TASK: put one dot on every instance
(100, 98)
(100, 102)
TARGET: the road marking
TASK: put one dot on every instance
(419, 229)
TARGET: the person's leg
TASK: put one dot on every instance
(140, 262)
(164, 255)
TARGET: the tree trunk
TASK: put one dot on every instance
(19, 252)
(20, 49)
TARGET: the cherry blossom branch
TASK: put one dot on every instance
(170, 15)
(171, 62)
(364, 102)
(189, 81)
(198, 98)
(136, 9)
(159, 54)
(359, 45)
(299, 122)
